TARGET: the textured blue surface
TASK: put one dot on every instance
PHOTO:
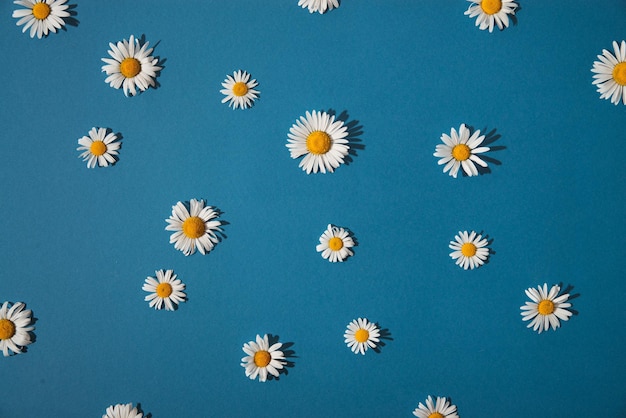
(77, 244)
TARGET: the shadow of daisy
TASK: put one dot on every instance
(383, 338)
(490, 138)
(288, 353)
(355, 131)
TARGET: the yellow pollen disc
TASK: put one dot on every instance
(619, 73)
(436, 415)
(262, 358)
(461, 152)
(335, 243)
(468, 249)
(318, 142)
(361, 335)
(491, 7)
(546, 307)
(194, 227)
(163, 290)
(41, 11)
(240, 89)
(130, 67)
(7, 329)
(98, 148)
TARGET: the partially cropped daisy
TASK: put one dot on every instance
(441, 408)
(41, 16)
(165, 289)
(490, 12)
(239, 90)
(459, 150)
(262, 358)
(99, 148)
(193, 228)
(469, 250)
(322, 141)
(335, 244)
(15, 325)
(361, 335)
(132, 66)
(610, 74)
(318, 5)
(546, 308)
(122, 411)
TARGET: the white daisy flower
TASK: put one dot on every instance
(490, 12)
(610, 74)
(546, 308)
(320, 139)
(132, 66)
(193, 228)
(262, 359)
(239, 90)
(469, 250)
(335, 244)
(318, 5)
(122, 411)
(441, 408)
(99, 148)
(15, 325)
(41, 16)
(460, 150)
(166, 290)
(361, 335)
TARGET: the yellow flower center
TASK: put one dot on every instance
(7, 329)
(361, 335)
(546, 307)
(461, 152)
(335, 243)
(130, 67)
(240, 89)
(619, 73)
(318, 142)
(194, 227)
(491, 7)
(164, 290)
(436, 415)
(98, 148)
(468, 249)
(41, 11)
(262, 358)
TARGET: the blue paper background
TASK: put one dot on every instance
(77, 244)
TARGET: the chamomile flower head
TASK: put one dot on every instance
(321, 140)
(440, 408)
(491, 12)
(165, 290)
(546, 308)
(261, 358)
(122, 411)
(41, 16)
(318, 5)
(239, 90)
(459, 150)
(469, 250)
(194, 228)
(610, 74)
(361, 335)
(15, 325)
(131, 66)
(335, 244)
(99, 148)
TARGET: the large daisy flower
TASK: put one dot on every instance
(490, 12)
(193, 228)
(610, 74)
(469, 250)
(165, 289)
(361, 335)
(122, 411)
(335, 244)
(441, 408)
(460, 150)
(132, 66)
(546, 308)
(320, 139)
(262, 358)
(41, 16)
(99, 148)
(318, 5)
(15, 325)
(239, 90)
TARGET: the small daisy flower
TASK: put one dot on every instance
(469, 250)
(490, 12)
(262, 359)
(546, 308)
(239, 90)
(361, 335)
(441, 408)
(41, 16)
(320, 139)
(122, 411)
(193, 228)
(460, 150)
(99, 148)
(318, 5)
(166, 290)
(610, 74)
(15, 325)
(335, 244)
(132, 66)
